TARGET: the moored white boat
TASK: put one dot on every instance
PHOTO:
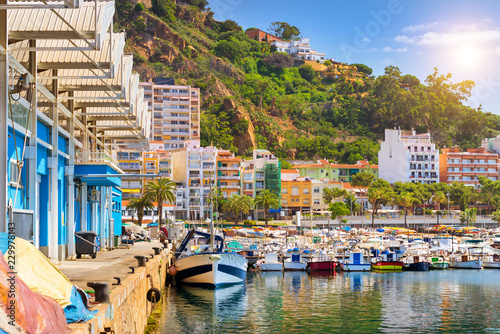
(206, 268)
(492, 262)
(356, 263)
(295, 262)
(269, 263)
(465, 262)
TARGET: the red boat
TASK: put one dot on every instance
(323, 265)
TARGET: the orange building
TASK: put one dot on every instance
(296, 195)
(466, 167)
(261, 36)
(228, 173)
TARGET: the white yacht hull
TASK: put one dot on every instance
(473, 264)
(356, 266)
(211, 269)
(492, 264)
(297, 266)
(270, 266)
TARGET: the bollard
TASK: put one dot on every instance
(141, 260)
(157, 250)
(133, 270)
(165, 245)
(118, 281)
(151, 256)
(101, 291)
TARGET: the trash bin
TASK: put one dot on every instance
(86, 243)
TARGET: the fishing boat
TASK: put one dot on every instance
(439, 262)
(205, 264)
(387, 261)
(416, 263)
(356, 263)
(465, 261)
(492, 261)
(322, 262)
(270, 262)
(295, 261)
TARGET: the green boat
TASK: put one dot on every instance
(438, 262)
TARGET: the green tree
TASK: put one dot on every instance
(362, 181)
(139, 7)
(139, 205)
(339, 210)
(267, 199)
(379, 193)
(160, 191)
(351, 202)
(229, 25)
(285, 164)
(284, 31)
(330, 194)
(495, 216)
(363, 68)
(489, 189)
(307, 72)
(406, 200)
(165, 9)
(237, 205)
(468, 216)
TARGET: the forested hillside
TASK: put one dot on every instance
(254, 96)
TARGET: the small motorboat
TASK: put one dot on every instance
(356, 263)
(270, 262)
(465, 261)
(439, 262)
(492, 262)
(295, 261)
(322, 262)
(387, 261)
(416, 263)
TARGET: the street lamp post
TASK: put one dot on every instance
(448, 196)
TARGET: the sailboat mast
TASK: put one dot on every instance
(211, 217)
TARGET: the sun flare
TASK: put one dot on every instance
(469, 56)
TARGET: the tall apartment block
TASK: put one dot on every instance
(466, 167)
(175, 113)
(407, 156)
(194, 170)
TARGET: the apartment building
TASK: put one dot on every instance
(491, 144)
(194, 170)
(228, 173)
(329, 172)
(175, 113)
(261, 172)
(466, 167)
(261, 36)
(296, 195)
(407, 156)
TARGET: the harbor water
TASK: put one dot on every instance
(448, 301)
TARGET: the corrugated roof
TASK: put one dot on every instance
(45, 24)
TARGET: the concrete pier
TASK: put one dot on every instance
(128, 310)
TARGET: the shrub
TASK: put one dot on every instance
(139, 7)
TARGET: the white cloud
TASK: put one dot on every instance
(365, 40)
(387, 49)
(404, 39)
(459, 38)
(420, 27)
(402, 50)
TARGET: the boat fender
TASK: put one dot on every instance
(153, 295)
(214, 257)
(172, 271)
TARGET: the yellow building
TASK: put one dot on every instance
(296, 195)
(228, 173)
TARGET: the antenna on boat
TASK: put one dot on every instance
(211, 218)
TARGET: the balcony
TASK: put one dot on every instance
(229, 177)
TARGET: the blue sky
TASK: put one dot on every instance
(458, 37)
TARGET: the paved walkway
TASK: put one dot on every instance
(106, 265)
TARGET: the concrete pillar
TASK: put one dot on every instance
(83, 217)
(102, 218)
(70, 171)
(53, 168)
(32, 153)
(4, 103)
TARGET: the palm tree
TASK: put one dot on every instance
(406, 200)
(495, 216)
(267, 200)
(139, 205)
(161, 190)
(438, 198)
(237, 205)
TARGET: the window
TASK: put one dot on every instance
(306, 201)
(295, 191)
(14, 172)
(284, 201)
(284, 191)
(316, 190)
(305, 191)
(316, 201)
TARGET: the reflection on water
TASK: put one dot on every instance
(450, 301)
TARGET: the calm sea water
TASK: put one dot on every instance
(450, 301)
